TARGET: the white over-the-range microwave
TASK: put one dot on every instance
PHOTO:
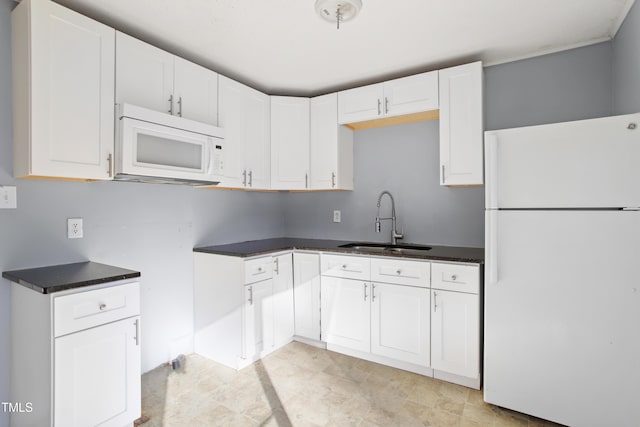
(161, 148)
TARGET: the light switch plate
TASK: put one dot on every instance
(337, 216)
(8, 197)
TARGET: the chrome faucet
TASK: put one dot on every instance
(394, 232)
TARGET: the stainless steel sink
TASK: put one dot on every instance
(382, 248)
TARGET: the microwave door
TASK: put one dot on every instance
(149, 149)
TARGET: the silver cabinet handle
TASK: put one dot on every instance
(386, 105)
(259, 269)
(171, 104)
(110, 166)
(373, 292)
(398, 271)
(632, 126)
(180, 106)
(379, 104)
(344, 266)
(442, 179)
(454, 277)
(103, 307)
(365, 291)
(244, 178)
(306, 180)
(137, 337)
(276, 265)
(435, 301)
(250, 295)
(333, 180)
(250, 178)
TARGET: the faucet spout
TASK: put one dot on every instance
(378, 226)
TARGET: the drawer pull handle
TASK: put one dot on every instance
(344, 266)
(259, 269)
(399, 271)
(373, 292)
(454, 277)
(102, 307)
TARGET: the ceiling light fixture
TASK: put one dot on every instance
(338, 10)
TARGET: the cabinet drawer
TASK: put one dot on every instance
(456, 277)
(83, 310)
(258, 269)
(400, 272)
(348, 267)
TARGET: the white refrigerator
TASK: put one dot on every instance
(562, 272)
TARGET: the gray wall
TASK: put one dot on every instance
(150, 228)
(626, 64)
(570, 85)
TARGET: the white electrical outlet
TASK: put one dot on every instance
(336, 216)
(7, 197)
(74, 228)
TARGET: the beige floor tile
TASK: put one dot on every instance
(300, 385)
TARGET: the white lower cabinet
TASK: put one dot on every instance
(76, 356)
(346, 313)
(400, 323)
(97, 376)
(456, 323)
(243, 307)
(306, 291)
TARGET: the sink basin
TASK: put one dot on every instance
(383, 248)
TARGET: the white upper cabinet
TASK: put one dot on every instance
(331, 146)
(461, 125)
(402, 96)
(63, 85)
(245, 116)
(153, 78)
(289, 143)
(195, 92)
(411, 94)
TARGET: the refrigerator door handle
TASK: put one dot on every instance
(491, 245)
(491, 171)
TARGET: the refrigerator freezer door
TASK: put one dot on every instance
(562, 315)
(583, 164)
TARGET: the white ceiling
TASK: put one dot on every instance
(283, 48)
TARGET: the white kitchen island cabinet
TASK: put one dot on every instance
(75, 352)
(152, 78)
(461, 125)
(243, 306)
(63, 93)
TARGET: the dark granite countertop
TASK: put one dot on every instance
(46, 280)
(266, 246)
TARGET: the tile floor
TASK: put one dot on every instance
(300, 385)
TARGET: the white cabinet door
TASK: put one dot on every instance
(289, 143)
(330, 146)
(63, 93)
(400, 323)
(258, 319)
(97, 376)
(257, 125)
(345, 312)
(244, 113)
(283, 317)
(306, 268)
(411, 94)
(455, 333)
(461, 125)
(195, 92)
(144, 75)
(360, 104)
(231, 117)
